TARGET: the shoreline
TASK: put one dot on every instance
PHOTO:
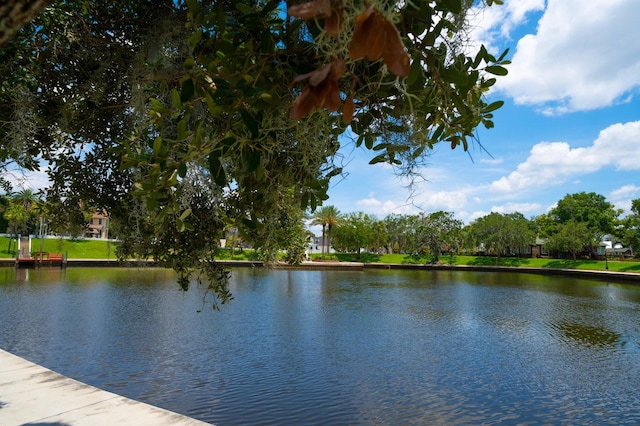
(627, 277)
(33, 394)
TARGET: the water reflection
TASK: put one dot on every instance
(585, 334)
(310, 347)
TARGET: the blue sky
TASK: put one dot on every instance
(571, 120)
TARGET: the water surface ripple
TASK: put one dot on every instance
(339, 347)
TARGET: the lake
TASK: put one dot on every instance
(339, 347)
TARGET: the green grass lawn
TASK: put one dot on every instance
(74, 249)
(100, 249)
(598, 265)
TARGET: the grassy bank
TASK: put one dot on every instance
(74, 249)
(95, 249)
(100, 249)
(585, 264)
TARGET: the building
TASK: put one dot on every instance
(98, 226)
(315, 245)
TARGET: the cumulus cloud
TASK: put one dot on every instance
(492, 161)
(383, 208)
(23, 179)
(517, 207)
(622, 197)
(625, 191)
(574, 61)
(552, 163)
(490, 24)
(424, 201)
(442, 200)
(475, 215)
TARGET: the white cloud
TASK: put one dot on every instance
(516, 207)
(383, 208)
(491, 24)
(493, 161)
(622, 197)
(551, 163)
(476, 215)
(22, 179)
(575, 61)
(369, 203)
(626, 191)
(442, 200)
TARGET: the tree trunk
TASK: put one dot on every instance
(15, 13)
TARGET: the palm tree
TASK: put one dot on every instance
(328, 217)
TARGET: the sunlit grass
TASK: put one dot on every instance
(101, 249)
(446, 259)
(73, 249)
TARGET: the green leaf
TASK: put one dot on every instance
(269, 7)
(378, 159)
(480, 56)
(503, 55)
(368, 141)
(194, 7)
(248, 223)
(195, 39)
(497, 70)
(189, 63)
(182, 169)
(187, 90)
(313, 201)
(175, 99)
(182, 129)
(252, 160)
(415, 72)
(454, 6)
(493, 106)
(185, 214)
(268, 98)
(157, 106)
(217, 171)
(250, 122)
(157, 146)
(244, 8)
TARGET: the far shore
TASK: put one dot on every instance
(601, 275)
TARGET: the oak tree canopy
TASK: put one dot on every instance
(183, 118)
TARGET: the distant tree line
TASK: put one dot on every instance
(576, 226)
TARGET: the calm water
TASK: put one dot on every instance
(309, 347)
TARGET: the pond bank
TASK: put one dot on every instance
(630, 277)
(32, 394)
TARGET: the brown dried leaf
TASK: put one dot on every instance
(375, 39)
(301, 77)
(305, 103)
(358, 47)
(394, 55)
(365, 14)
(318, 76)
(333, 24)
(348, 109)
(338, 68)
(332, 95)
(310, 9)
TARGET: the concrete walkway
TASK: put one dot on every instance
(33, 395)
